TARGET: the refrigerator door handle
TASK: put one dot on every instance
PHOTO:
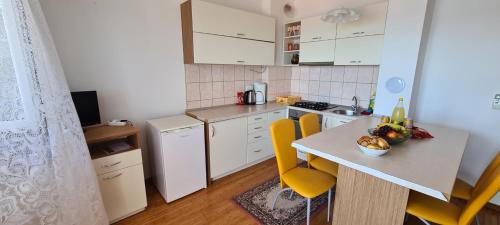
(179, 130)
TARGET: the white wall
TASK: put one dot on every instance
(130, 51)
(403, 33)
(460, 74)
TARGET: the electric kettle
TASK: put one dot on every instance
(249, 97)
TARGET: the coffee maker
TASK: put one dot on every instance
(260, 89)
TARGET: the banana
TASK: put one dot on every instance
(395, 127)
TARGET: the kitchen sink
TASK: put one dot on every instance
(342, 111)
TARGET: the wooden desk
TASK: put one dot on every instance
(120, 174)
(374, 190)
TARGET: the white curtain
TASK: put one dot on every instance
(46, 175)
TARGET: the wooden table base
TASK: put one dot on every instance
(364, 199)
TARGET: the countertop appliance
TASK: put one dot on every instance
(249, 97)
(260, 89)
(178, 151)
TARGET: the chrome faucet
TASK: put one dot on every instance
(355, 106)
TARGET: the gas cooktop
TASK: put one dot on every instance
(319, 106)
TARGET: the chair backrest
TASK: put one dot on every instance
(484, 193)
(282, 135)
(309, 125)
(487, 172)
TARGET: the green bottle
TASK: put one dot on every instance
(398, 114)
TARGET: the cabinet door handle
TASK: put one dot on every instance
(240, 61)
(111, 165)
(257, 128)
(213, 130)
(258, 118)
(326, 122)
(344, 121)
(240, 34)
(361, 32)
(260, 150)
(112, 177)
(277, 112)
(317, 38)
(257, 137)
(353, 61)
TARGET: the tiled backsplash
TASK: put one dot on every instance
(214, 85)
(335, 84)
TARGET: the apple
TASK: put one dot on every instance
(392, 134)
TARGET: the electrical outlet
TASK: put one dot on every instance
(496, 102)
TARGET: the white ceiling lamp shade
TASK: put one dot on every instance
(342, 15)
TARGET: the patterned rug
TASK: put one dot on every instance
(258, 202)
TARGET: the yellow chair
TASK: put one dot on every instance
(463, 190)
(430, 209)
(307, 182)
(309, 125)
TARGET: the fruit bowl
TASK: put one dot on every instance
(373, 152)
(394, 134)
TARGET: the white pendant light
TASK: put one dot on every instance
(341, 15)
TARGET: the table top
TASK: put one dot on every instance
(429, 166)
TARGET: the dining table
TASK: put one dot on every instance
(374, 189)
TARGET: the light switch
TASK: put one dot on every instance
(496, 102)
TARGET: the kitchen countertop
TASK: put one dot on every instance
(226, 112)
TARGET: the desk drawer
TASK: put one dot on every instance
(123, 191)
(258, 136)
(259, 118)
(117, 161)
(256, 127)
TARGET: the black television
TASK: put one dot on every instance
(87, 107)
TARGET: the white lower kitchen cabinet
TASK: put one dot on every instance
(121, 181)
(359, 50)
(334, 121)
(239, 143)
(228, 141)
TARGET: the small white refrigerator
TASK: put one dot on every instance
(177, 152)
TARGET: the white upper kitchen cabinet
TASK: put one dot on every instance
(213, 49)
(317, 52)
(315, 29)
(372, 21)
(216, 34)
(212, 18)
(359, 50)
(227, 144)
